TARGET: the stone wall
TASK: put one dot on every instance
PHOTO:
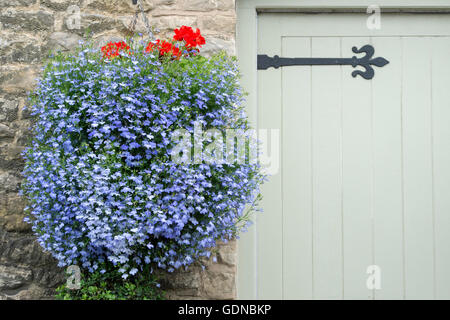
(29, 29)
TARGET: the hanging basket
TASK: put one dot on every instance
(103, 175)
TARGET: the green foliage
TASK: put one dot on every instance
(111, 286)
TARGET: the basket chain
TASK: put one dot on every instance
(140, 9)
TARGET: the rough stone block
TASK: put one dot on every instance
(9, 182)
(26, 272)
(208, 5)
(226, 5)
(32, 292)
(226, 254)
(13, 277)
(117, 6)
(28, 21)
(16, 3)
(5, 133)
(11, 212)
(181, 282)
(60, 5)
(219, 285)
(170, 23)
(214, 45)
(63, 41)
(222, 25)
(158, 3)
(93, 24)
(21, 52)
(14, 223)
(11, 159)
(17, 81)
(199, 5)
(8, 110)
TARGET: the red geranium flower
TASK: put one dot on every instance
(164, 47)
(151, 46)
(189, 36)
(176, 52)
(113, 49)
(191, 40)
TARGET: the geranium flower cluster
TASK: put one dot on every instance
(188, 40)
(163, 48)
(113, 49)
(191, 38)
(99, 177)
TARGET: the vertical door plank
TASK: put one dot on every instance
(246, 42)
(441, 164)
(296, 171)
(417, 162)
(269, 226)
(387, 150)
(327, 172)
(357, 176)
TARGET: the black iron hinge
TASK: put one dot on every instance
(265, 62)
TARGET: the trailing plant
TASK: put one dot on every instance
(100, 176)
(110, 285)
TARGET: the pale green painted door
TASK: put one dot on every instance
(364, 176)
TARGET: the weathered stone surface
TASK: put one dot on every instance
(182, 283)
(8, 110)
(218, 24)
(31, 292)
(63, 41)
(219, 285)
(16, 3)
(103, 40)
(8, 182)
(117, 6)
(49, 277)
(14, 223)
(11, 212)
(25, 112)
(23, 135)
(5, 132)
(14, 204)
(13, 277)
(60, 5)
(199, 5)
(226, 5)
(208, 5)
(93, 24)
(158, 3)
(164, 24)
(215, 280)
(16, 248)
(18, 81)
(11, 159)
(214, 45)
(29, 21)
(26, 272)
(20, 51)
(227, 254)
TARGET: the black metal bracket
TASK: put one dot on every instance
(134, 1)
(265, 62)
